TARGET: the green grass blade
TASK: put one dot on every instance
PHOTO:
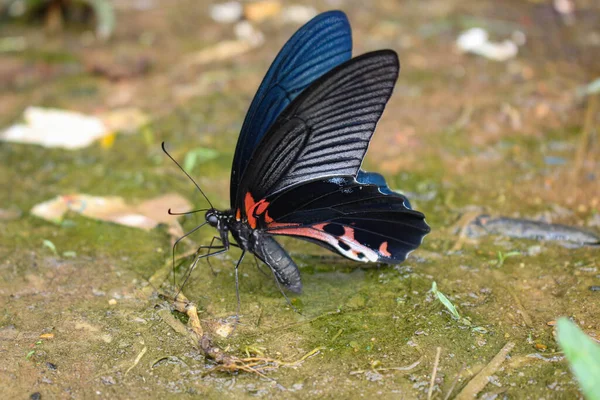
(583, 356)
(50, 245)
(445, 301)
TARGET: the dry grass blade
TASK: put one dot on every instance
(477, 384)
(406, 368)
(434, 373)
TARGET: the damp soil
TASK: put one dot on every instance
(462, 134)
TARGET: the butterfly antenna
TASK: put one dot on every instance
(187, 212)
(188, 175)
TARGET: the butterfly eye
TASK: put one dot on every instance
(212, 219)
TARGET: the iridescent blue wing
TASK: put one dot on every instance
(373, 178)
(320, 45)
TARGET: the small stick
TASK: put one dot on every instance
(454, 382)
(407, 368)
(477, 384)
(434, 373)
(182, 304)
(462, 225)
(520, 308)
(137, 359)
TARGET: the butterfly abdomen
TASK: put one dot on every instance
(271, 253)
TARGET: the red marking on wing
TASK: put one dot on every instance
(383, 249)
(261, 206)
(268, 218)
(348, 233)
(249, 204)
(238, 214)
(317, 232)
(276, 227)
(254, 209)
(308, 232)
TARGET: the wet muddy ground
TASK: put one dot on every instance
(462, 136)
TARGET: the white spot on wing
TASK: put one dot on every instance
(354, 249)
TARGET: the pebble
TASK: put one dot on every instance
(228, 12)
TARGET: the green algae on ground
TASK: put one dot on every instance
(376, 319)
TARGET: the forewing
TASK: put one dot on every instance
(357, 220)
(316, 48)
(326, 130)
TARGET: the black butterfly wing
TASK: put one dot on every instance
(321, 44)
(355, 219)
(377, 179)
(324, 132)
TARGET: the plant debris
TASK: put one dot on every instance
(476, 41)
(51, 127)
(480, 380)
(145, 215)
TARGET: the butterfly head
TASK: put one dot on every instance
(212, 217)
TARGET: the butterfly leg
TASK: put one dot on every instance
(177, 242)
(211, 247)
(237, 287)
(287, 299)
(219, 250)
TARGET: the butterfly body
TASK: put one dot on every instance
(297, 165)
(255, 241)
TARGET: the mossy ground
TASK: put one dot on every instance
(460, 133)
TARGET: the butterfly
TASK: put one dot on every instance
(297, 164)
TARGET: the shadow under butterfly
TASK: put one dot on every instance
(296, 169)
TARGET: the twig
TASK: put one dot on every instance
(434, 373)
(407, 368)
(454, 382)
(182, 304)
(462, 225)
(137, 359)
(477, 384)
(520, 308)
(225, 362)
(337, 335)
